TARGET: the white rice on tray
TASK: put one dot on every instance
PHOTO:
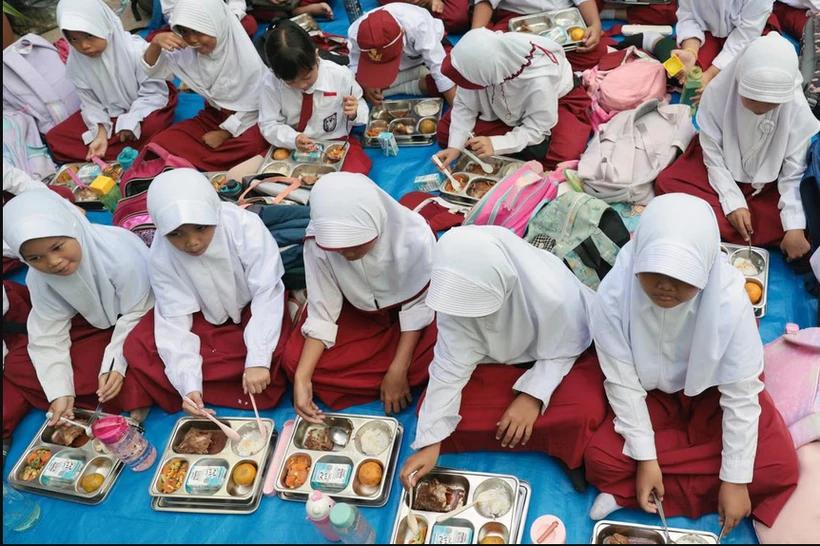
(250, 444)
(374, 441)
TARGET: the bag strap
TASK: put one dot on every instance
(294, 184)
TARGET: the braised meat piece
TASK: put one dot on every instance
(434, 496)
(318, 440)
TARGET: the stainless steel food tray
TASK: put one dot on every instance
(509, 526)
(295, 167)
(649, 534)
(228, 458)
(209, 506)
(762, 278)
(355, 492)
(465, 168)
(83, 198)
(407, 113)
(551, 24)
(104, 463)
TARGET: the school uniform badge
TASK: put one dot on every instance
(329, 123)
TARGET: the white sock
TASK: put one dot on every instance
(650, 39)
(406, 88)
(603, 506)
(608, 13)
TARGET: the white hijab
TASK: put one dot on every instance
(488, 58)
(518, 298)
(231, 75)
(755, 147)
(721, 17)
(348, 210)
(112, 276)
(115, 76)
(713, 336)
(213, 283)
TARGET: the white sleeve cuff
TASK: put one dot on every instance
(441, 430)
(129, 122)
(416, 318)
(57, 387)
(322, 330)
(641, 448)
(737, 470)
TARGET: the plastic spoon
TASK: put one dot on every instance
(663, 517)
(76, 178)
(486, 167)
(456, 184)
(100, 163)
(229, 432)
(262, 428)
(86, 428)
(411, 517)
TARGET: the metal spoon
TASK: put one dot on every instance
(663, 517)
(720, 536)
(85, 428)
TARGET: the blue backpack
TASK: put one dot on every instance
(810, 195)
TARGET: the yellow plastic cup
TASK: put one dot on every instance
(673, 65)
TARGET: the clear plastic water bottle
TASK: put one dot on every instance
(20, 513)
(353, 9)
(693, 82)
(350, 525)
(318, 507)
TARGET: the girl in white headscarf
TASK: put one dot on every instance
(678, 343)
(712, 33)
(121, 105)
(217, 275)
(523, 102)
(212, 55)
(368, 334)
(501, 301)
(239, 8)
(756, 127)
(89, 287)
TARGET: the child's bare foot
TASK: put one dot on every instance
(140, 414)
(321, 11)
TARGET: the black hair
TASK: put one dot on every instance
(290, 51)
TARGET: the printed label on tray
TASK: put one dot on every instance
(207, 477)
(443, 534)
(63, 469)
(333, 474)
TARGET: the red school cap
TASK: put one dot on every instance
(380, 39)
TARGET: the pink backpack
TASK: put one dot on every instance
(623, 81)
(513, 201)
(792, 367)
(35, 82)
(132, 210)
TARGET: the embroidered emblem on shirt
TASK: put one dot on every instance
(329, 123)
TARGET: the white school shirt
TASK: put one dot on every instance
(812, 5)
(237, 7)
(280, 107)
(532, 6)
(528, 105)
(741, 22)
(5, 310)
(326, 296)
(792, 215)
(257, 265)
(16, 181)
(422, 41)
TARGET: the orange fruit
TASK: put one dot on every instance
(244, 474)
(92, 482)
(576, 34)
(754, 291)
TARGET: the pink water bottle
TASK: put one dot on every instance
(125, 441)
(318, 508)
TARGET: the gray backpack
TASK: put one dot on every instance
(810, 62)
